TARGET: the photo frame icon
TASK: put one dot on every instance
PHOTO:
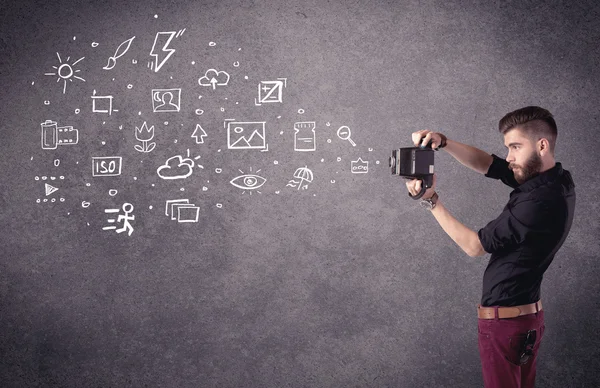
(182, 210)
(246, 135)
(166, 100)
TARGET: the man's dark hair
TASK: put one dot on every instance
(534, 122)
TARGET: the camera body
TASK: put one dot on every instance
(414, 163)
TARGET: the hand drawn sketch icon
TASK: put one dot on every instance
(248, 181)
(199, 134)
(160, 49)
(53, 135)
(359, 166)
(102, 104)
(49, 189)
(106, 165)
(214, 78)
(125, 218)
(121, 50)
(166, 100)
(270, 91)
(344, 133)
(304, 136)
(145, 135)
(245, 135)
(303, 176)
(182, 210)
(66, 71)
(177, 167)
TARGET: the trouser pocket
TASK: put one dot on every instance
(522, 347)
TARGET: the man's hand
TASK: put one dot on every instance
(414, 187)
(422, 137)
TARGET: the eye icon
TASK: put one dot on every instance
(248, 181)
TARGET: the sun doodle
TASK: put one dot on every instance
(66, 71)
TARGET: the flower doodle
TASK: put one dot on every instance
(144, 134)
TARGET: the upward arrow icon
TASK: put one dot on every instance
(199, 134)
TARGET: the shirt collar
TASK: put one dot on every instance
(547, 176)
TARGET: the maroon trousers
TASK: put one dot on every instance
(501, 345)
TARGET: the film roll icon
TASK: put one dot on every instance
(53, 135)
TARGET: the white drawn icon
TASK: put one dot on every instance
(50, 189)
(199, 134)
(304, 136)
(245, 135)
(66, 72)
(182, 210)
(344, 133)
(106, 165)
(166, 100)
(176, 167)
(248, 181)
(160, 50)
(102, 104)
(214, 78)
(53, 135)
(119, 52)
(145, 135)
(125, 218)
(270, 91)
(359, 166)
(304, 176)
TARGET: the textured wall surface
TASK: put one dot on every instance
(342, 282)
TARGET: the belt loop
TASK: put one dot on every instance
(537, 310)
(496, 313)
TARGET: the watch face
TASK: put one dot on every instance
(426, 204)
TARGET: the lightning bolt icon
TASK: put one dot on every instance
(160, 50)
(199, 134)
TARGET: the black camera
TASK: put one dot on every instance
(414, 163)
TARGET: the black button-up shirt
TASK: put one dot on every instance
(526, 235)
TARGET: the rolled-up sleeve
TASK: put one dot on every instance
(513, 225)
(499, 170)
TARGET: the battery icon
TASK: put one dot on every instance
(53, 135)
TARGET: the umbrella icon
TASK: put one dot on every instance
(303, 174)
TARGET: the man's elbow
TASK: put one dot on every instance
(478, 252)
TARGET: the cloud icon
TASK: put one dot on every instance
(176, 167)
(213, 78)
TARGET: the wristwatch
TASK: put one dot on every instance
(444, 141)
(430, 203)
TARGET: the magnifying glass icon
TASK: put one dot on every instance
(344, 133)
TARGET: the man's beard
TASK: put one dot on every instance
(530, 169)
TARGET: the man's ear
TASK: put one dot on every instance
(543, 145)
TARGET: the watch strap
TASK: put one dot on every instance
(444, 141)
(431, 201)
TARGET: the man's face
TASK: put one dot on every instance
(522, 156)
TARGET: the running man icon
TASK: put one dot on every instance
(125, 218)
